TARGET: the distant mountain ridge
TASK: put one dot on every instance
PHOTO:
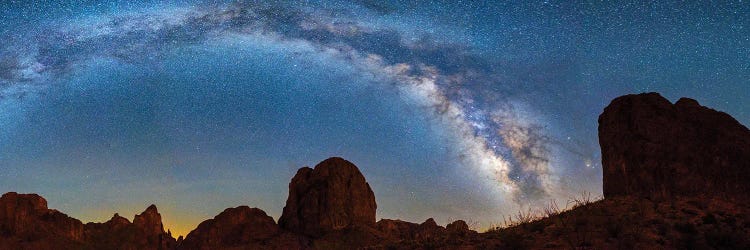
(675, 177)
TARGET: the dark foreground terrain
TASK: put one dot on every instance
(675, 177)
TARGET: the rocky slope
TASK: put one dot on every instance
(673, 179)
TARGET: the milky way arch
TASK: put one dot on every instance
(496, 135)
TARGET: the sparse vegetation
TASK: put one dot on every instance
(520, 218)
(585, 198)
(626, 223)
(551, 209)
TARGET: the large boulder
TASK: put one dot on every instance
(242, 228)
(653, 148)
(332, 196)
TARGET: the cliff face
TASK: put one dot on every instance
(331, 197)
(25, 220)
(27, 223)
(651, 147)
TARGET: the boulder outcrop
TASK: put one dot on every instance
(332, 196)
(653, 148)
(458, 227)
(241, 227)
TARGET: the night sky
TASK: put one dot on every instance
(451, 109)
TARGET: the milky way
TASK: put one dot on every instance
(504, 96)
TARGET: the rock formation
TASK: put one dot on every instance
(245, 227)
(330, 206)
(397, 229)
(145, 232)
(332, 196)
(458, 227)
(402, 230)
(653, 148)
(26, 222)
(650, 147)
(429, 229)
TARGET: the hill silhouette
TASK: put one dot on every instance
(675, 177)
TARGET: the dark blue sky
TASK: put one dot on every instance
(450, 109)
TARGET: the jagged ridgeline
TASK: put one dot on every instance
(675, 177)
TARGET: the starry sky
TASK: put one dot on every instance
(451, 109)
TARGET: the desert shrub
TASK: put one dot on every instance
(520, 218)
(551, 209)
(585, 198)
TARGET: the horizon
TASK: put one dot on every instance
(451, 111)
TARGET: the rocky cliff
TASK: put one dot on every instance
(332, 196)
(653, 148)
(27, 223)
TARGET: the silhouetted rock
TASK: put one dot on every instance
(397, 229)
(149, 221)
(331, 197)
(27, 223)
(429, 229)
(117, 221)
(458, 227)
(651, 147)
(146, 232)
(241, 227)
